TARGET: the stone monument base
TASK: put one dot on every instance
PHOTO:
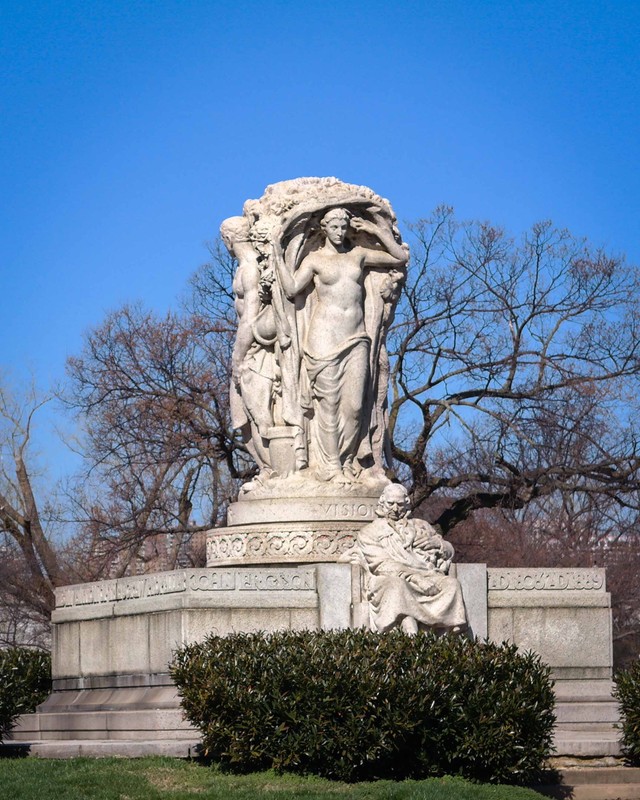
(113, 642)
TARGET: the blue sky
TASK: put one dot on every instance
(129, 130)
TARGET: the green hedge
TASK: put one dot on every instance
(356, 705)
(25, 681)
(627, 693)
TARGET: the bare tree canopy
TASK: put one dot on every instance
(30, 563)
(513, 377)
(514, 369)
(160, 453)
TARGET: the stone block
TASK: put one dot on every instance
(148, 720)
(129, 644)
(587, 744)
(473, 580)
(334, 593)
(86, 722)
(251, 620)
(94, 648)
(524, 580)
(587, 713)
(165, 635)
(579, 690)
(170, 747)
(563, 615)
(65, 653)
(178, 734)
(570, 637)
(359, 508)
(549, 600)
(199, 623)
(304, 619)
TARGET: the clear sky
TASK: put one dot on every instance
(129, 130)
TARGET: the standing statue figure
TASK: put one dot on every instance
(406, 565)
(336, 348)
(253, 365)
(320, 268)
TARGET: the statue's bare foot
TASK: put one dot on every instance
(459, 629)
(409, 625)
(349, 472)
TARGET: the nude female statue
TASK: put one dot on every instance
(336, 345)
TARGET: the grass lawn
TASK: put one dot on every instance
(173, 779)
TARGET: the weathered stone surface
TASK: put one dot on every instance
(473, 581)
(525, 580)
(167, 590)
(564, 615)
(334, 590)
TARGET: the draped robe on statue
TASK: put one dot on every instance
(324, 382)
(404, 578)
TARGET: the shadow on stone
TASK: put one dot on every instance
(11, 750)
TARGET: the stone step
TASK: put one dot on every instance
(598, 775)
(603, 791)
(595, 783)
(135, 725)
(587, 712)
(587, 743)
(99, 748)
(585, 726)
(576, 690)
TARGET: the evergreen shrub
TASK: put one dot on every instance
(627, 693)
(357, 705)
(25, 681)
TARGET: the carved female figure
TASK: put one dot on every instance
(253, 359)
(336, 346)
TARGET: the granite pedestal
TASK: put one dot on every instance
(113, 642)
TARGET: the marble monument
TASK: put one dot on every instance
(321, 537)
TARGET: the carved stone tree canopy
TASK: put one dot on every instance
(320, 268)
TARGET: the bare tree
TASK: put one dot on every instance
(162, 460)
(574, 530)
(514, 368)
(30, 563)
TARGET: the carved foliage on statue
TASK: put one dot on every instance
(320, 268)
(406, 566)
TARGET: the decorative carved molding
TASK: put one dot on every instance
(266, 545)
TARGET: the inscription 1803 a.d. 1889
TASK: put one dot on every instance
(531, 580)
